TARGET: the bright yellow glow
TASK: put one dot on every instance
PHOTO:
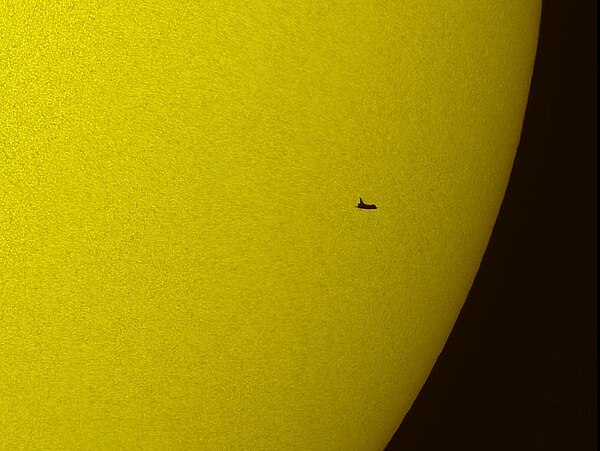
(182, 265)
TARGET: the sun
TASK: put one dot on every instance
(243, 225)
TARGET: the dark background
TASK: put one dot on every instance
(519, 369)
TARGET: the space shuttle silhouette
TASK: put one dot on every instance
(364, 206)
